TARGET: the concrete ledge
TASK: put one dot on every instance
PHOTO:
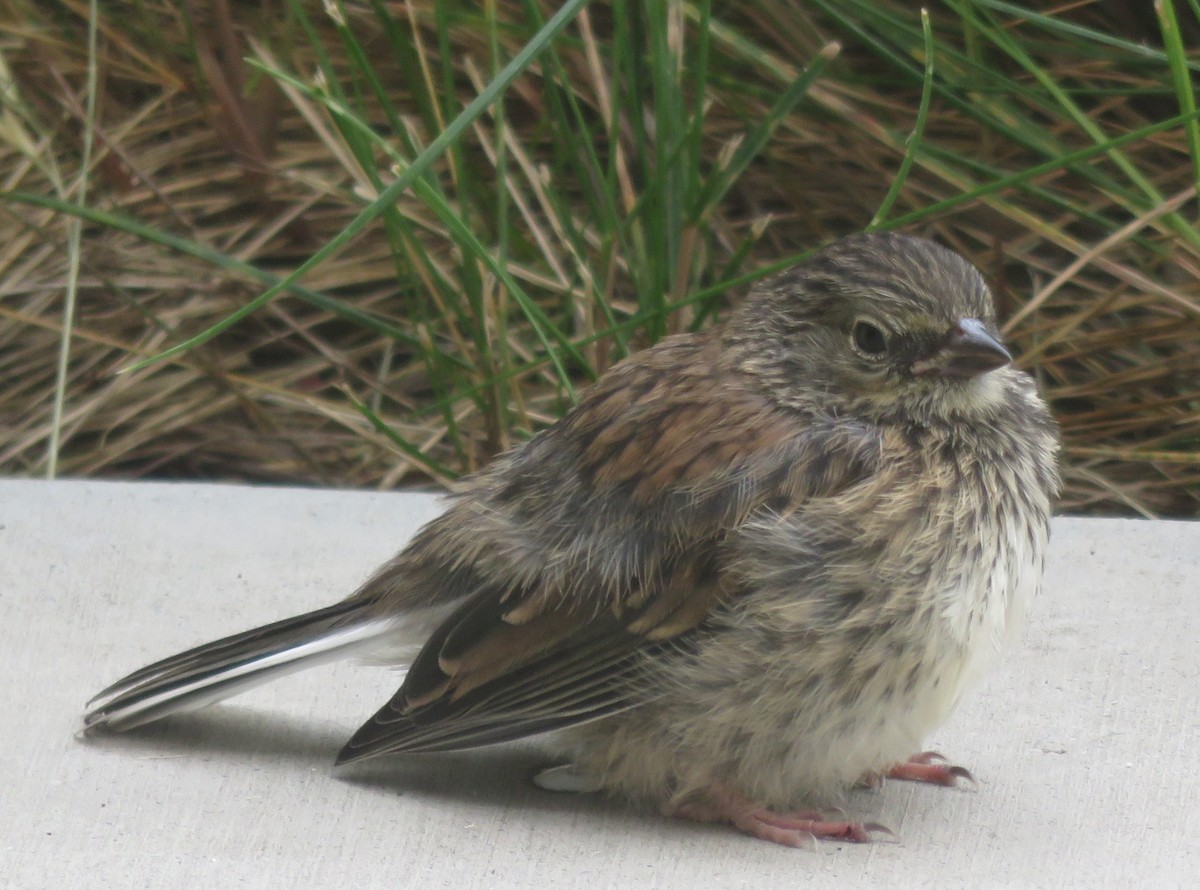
(1086, 742)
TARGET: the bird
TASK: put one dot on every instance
(753, 567)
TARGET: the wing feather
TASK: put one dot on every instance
(600, 542)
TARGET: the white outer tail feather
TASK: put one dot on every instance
(333, 646)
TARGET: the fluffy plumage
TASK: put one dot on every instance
(753, 565)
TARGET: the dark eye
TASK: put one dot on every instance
(869, 339)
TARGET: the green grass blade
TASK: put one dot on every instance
(1180, 76)
(411, 174)
(203, 252)
(914, 140)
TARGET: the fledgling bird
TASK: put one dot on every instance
(753, 566)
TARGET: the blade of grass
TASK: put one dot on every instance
(976, 89)
(410, 175)
(965, 196)
(699, 78)
(396, 228)
(914, 140)
(1082, 34)
(1002, 40)
(1069, 161)
(362, 141)
(415, 454)
(203, 252)
(1177, 57)
(756, 139)
(543, 327)
(74, 236)
(575, 159)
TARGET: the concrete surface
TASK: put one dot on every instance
(1086, 742)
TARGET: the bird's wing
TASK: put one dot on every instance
(602, 538)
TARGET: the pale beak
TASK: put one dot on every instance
(968, 351)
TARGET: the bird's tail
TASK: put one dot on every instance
(217, 670)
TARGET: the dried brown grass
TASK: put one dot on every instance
(1105, 309)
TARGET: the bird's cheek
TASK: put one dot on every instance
(883, 380)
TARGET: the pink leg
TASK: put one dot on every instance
(929, 766)
(796, 829)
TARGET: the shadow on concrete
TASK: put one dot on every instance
(499, 776)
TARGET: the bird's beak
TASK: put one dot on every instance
(968, 350)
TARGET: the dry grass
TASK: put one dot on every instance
(1095, 259)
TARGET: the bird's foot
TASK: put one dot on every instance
(720, 803)
(931, 767)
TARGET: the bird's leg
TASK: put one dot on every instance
(931, 767)
(720, 803)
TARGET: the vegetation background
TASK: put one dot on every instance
(489, 203)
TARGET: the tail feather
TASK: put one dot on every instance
(217, 670)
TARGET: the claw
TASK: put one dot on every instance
(880, 828)
(931, 767)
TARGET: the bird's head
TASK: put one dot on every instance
(874, 323)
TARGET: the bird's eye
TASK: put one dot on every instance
(869, 339)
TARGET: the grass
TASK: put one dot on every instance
(362, 243)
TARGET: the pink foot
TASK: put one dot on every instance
(796, 829)
(929, 766)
